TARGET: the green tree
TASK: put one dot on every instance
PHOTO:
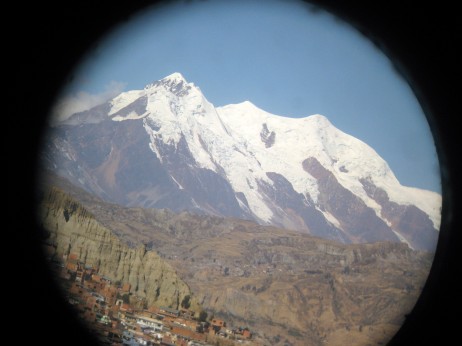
(203, 316)
(185, 303)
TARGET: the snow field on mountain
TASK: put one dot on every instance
(228, 140)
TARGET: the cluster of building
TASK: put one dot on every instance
(108, 309)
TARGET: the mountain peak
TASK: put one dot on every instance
(174, 83)
(175, 77)
(321, 120)
(247, 103)
(243, 107)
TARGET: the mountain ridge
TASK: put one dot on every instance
(220, 160)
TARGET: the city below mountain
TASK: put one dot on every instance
(167, 147)
(285, 287)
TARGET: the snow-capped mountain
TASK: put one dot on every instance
(166, 146)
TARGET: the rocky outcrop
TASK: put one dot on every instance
(73, 229)
(266, 136)
(358, 220)
(289, 205)
(411, 222)
(197, 186)
(115, 161)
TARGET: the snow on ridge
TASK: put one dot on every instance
(124, 99)
(211, 143)
(230, 136)
(347, 157)
(177, 110)
(175, 76)
(130, 116)
(429, 202)
(177, 183)
(402, 239)
(312, 136)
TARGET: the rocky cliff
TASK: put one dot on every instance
(73, 229)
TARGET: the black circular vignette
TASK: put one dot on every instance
(46, 41)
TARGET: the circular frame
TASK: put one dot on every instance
(421, 41)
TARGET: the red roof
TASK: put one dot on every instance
(126, 307)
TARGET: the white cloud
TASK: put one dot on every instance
(83, 101)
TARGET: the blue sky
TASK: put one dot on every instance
(277, 54)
